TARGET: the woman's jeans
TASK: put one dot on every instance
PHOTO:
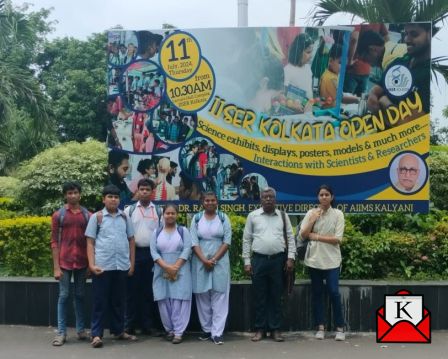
(79, 279)
(331, 277)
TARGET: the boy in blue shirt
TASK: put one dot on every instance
(111, 255)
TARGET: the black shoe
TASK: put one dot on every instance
(205, 336)
(218, 340)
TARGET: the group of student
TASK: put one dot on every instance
(142, 255)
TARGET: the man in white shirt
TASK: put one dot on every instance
(139, 299)
(264, 238)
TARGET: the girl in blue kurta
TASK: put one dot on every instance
(211, 234)
(170, 250)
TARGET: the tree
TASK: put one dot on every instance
(21, 35)
(390, 11)
(74, 75)
(41, 178)
(25, 126)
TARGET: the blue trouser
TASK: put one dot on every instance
(139, 297)
(267, 281)
(331, 277)
(79, 279)
(109, 291)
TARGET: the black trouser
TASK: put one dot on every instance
(267, 281)
(139, 298)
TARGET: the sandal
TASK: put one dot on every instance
(126, 336)
(59, 340)
(97, 342)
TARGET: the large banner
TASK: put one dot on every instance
(236, 110)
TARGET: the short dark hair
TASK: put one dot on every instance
(171, 205)
(111, 189)
(146, 182)
(71, 186)
(369, 38)
(207, 194)
(146, 38)
(335, 52)
(116, 157)
(144, 164)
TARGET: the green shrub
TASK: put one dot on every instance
(42, 177)
(5, 214)
(438, 165)
(236, 261)
(25, 246)
(8, 186)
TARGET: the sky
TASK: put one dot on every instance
(81, 18)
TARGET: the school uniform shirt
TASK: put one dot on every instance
(111, 240)
(145, 221)
(263, 234)
(322, 255)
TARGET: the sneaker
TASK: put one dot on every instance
(59, 340)
(204, 336)
(218, 340)
(340, 336)
(320, 334)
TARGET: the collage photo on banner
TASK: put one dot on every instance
(148, 137)
(291, 104)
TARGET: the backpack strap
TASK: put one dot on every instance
(159, 213)
(99, 220)
(62, 212)
(221, 216)
(180, 230)
(85, 214)
(132, 208)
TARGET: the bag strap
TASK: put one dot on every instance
(62, 211)
(285, 237)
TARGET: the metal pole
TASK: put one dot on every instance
(242, 13)
(292, 13)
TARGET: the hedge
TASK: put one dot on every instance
(25, 246)
(419, 253)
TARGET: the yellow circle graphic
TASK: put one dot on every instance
(193, 94)
(180, 56)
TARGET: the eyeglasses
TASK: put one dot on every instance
(411, 171)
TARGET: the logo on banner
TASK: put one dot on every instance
(398, 80)
(403, 319)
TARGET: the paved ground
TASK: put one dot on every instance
(24, 342)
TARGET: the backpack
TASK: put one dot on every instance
(62, 211)
(133, 206)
